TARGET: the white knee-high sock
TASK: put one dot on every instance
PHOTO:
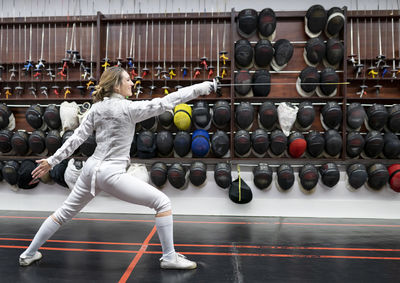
(48, 228)
(165, 232)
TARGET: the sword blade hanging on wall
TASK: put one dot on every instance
(1, 42)
(19, 89)
(218, 77)
(398, 35)
(191, 49)
(385, 67)
(152, 86)
(13, 70)
(79, 54)
(380, 56)
(184, 67)
(138, 78)
(204, 59)
(49, 70)
(223, 53)
(119, 58)
(164, 71)
(358, 66)
(363, 86)
(40, 65)
(7, 88)
(372, 69)
(210, 66)
(55, 87)
(158, 68)
(146, 70)
(105, 59)
(92, 80)
(64, 69)
(197, 69)
(352, 56)
(394, 70)
(171, 69)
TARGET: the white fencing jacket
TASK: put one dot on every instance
(114, 121)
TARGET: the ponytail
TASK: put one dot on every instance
(108, 81)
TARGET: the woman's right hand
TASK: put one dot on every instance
(204, 88)
(41, 169)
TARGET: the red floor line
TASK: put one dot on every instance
(80, 242)
(213, 246)
(143, 248)
(220, 222)
(213, 254)
(294, 255)
(72, 249)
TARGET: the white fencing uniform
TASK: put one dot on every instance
(114, 121)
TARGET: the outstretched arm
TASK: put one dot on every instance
(80, 135)
(142, 110)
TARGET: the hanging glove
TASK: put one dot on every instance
(287, 114)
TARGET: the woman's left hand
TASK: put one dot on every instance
(42, 169)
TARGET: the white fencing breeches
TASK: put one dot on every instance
(112, 178)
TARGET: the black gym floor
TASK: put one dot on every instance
(125, 248)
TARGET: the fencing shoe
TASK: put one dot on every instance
(28, 260)
(177, 261)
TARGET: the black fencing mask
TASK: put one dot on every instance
(222, 175)
(355, 144)
(243, 54)
(315, 143)
(262, 176)
(220, 143)
(305, 115)
(37, 142)
(10, 172)
(263, 53)
(164, 143)
(198, 173)
(378, 176)
(268, 115)
(308, 177)
(357, 175)
(278, 142)
(221, 114)
(247, 20)
(19, 142)
(267, 23)
(158, 174)
(54, 141)
(355, 115)
(244, 115)
(285, 177)
(182, 143)
(330, 174)
(52, 117)
(177, 175)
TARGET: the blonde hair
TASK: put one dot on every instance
(108, 81)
